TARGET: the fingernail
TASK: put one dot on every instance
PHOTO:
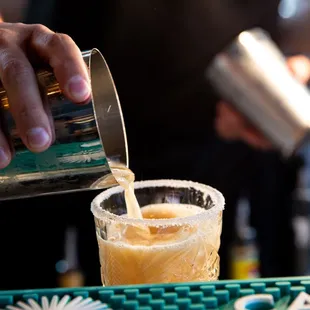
(37, 137)
(79, 88)
(4, 158)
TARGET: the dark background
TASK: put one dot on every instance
(32, 231)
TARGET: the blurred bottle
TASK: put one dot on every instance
(69, 271)
(244, 251)
(301, 214)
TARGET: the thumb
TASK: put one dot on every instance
(300, 67)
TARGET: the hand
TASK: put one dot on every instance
(230, 125)
(300, 67)
(20, 46)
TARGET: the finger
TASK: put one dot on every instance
(62, 54)
(252, 137)
(229, 123)
(232, 126)
(300, 67)
(26, 106)
(5, 153)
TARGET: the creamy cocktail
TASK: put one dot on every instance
(175, 240)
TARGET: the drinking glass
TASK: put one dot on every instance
(176, 241)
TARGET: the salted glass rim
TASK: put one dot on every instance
(216, 197)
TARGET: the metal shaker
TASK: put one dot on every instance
(88, 138)
(251, 73)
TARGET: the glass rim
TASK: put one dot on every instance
(216, 197)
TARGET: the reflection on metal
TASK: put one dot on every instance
(87, 138)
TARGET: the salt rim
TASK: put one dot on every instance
(217, 199)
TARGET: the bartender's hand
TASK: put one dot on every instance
(231, 125)
(21, 45)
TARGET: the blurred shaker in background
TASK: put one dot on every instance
(252, 74)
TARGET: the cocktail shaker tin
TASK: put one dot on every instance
(88, 138)
(251, 73)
